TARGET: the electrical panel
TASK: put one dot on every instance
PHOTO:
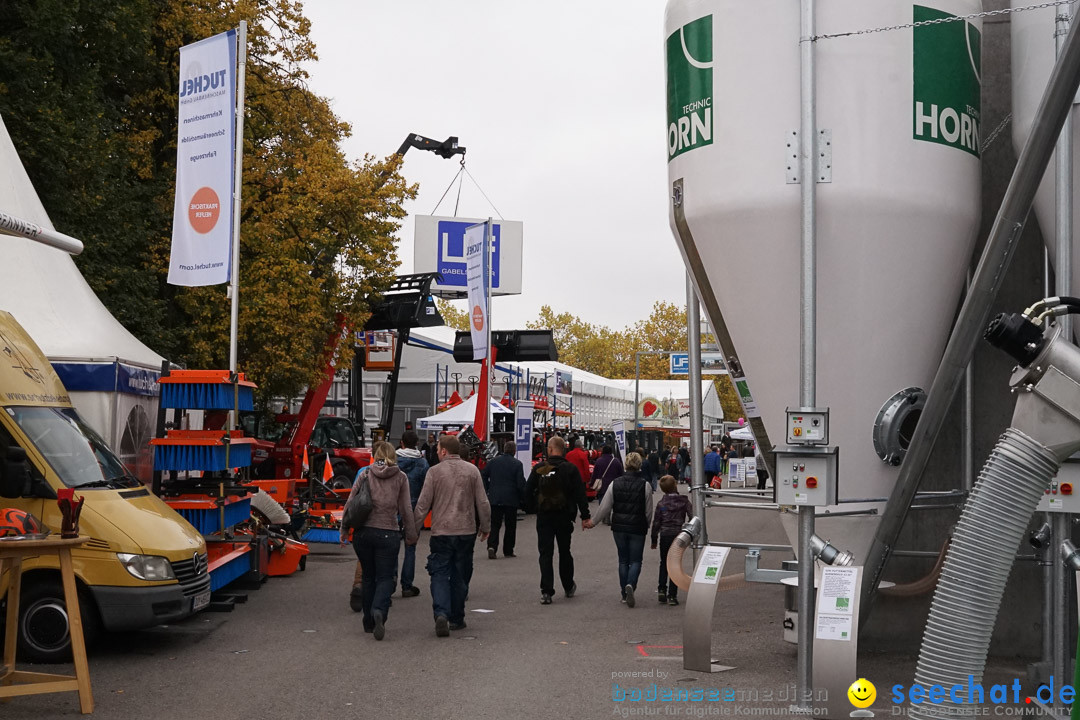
(808, 426)
(807, 476)
(1063, 495)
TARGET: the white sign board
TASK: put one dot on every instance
(523, 433)
(439, 246)
(619, 429)
(477, 270)
(203, 207)
(711, 564)
(712, 363)
(836, 598)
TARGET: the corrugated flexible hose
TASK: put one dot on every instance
(968, 597)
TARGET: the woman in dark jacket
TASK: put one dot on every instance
(629, 503)
(377, 543)
(606, 469)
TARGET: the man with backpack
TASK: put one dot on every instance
(556, 492)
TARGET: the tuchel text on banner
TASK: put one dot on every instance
(202, 212)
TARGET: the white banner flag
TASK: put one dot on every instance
(203, 210)
(476, 274)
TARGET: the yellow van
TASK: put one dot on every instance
(144, 564)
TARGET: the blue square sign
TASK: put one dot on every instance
(680, 364)
(523, 436)
(451, 261)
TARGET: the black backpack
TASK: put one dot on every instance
(551, 495)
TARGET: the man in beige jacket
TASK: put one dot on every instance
(454, 492)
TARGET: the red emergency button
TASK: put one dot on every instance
(811, 482)
(1066, 488)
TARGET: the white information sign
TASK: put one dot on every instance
(834, 627)
(203, 208)
(475, 239)
(711, 564)
(747, 400)
(836, 597)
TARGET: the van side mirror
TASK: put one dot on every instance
(14, 473)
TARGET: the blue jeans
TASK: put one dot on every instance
(631, 547)
(377, 551)
(450, 565)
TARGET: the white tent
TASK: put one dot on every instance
(742, 433)
(459, 415)
(111, 376)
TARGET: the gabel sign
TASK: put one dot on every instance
(440, 246)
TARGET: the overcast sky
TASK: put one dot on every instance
(561, 107)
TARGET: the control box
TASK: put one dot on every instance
(1063, 495)
(807, 476)
(808, 426)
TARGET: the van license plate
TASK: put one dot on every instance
(200, 601)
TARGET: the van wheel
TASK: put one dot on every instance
(43, 622)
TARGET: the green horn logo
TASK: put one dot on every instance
(690, 87)
(946, 81)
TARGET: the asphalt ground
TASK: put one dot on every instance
(296, 650)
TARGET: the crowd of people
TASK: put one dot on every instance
(638, 499)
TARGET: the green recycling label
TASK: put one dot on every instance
(690, 87)
(946, 81)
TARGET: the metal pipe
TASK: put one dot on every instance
(637, 387)
(967, 419)
(749, 506)
(238, 185)
(749, 494)
(1062, 287)
(764, 547)
(807, 342)
(1048, 595)
(808, 186)
(842, 513)
(996, 257)
(697, 424)
(33, 231)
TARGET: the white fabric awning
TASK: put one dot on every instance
(461, 415)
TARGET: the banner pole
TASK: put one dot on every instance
(488, 239)
(238, 181)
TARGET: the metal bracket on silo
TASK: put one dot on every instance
(823, 156)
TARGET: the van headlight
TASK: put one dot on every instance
(147, 567)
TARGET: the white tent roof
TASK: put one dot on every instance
(45, 291)
(742, 433)
(463, 414)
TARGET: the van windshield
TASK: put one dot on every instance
(76, 453)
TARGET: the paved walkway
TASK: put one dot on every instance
(295, 650)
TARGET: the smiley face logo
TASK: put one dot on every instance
(862, 693)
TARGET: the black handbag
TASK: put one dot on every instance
(359, 506)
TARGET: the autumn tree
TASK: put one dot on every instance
(453, 316)
(89, 90)
(611, 353)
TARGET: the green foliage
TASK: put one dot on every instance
(88, 91)
(452, 315)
